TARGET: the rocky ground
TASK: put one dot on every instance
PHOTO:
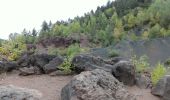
(51, 87)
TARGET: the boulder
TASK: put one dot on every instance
(41, 60)
(16, 93)
(25, 71)
(53, 65)
(24, 60)
(95, 85)
(166, 95)
(124, 71)
(88, 63)
(159, 88)
(6, 66)
(38, 60)
(162, 88)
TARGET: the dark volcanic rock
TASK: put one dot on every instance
(38, 60)
(53, 65)
(95, 85)
(24, 60)
(26, 71)
(162, 88)
(41, 60)
(17, 93)
(88, 63)
(124, 71)
(30, 71)
(166, 95)
(7, 66)
(159, 89)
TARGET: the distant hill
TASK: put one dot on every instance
(116, 21)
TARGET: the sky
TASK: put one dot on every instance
(15, 15)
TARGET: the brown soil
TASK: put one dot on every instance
(142, 94)
(50, 87)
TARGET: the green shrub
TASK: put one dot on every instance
(70, 52)
(4, 51)
(13, 56)
(155, 31)
(73, 50)
(66, 66)
(141, 63)
(9, 54)
(134, 37)
(158, 73)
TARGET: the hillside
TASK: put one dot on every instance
(117, 21)
(109, 24)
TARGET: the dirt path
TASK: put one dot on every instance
(142, 94)
(50, 87)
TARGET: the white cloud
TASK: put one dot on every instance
(15, 15)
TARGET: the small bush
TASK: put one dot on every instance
(66, 66)
(13, 56)
(141, 63)
(70, 52)
(9, 54)
(158, 73)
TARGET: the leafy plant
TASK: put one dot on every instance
(9, 54)
(158, 73)
(71, 51)
(141, 63)
(13, 56)
(66, 66)
(13, 48)
(3, 51)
